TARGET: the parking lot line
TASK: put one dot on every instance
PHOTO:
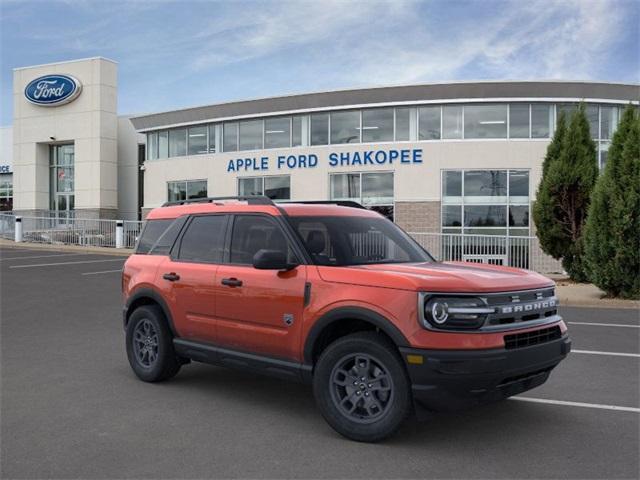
(68, 263)
(577, 404)
(613, 354)
(104, 271)
(42, 256)
(604, 324)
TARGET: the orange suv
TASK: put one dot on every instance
(335, 295)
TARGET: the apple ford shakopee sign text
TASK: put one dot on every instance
(53, 90)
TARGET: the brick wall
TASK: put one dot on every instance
(418, 216)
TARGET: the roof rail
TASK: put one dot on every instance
(250, 199)
(340, 203)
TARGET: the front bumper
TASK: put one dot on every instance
(453, 379)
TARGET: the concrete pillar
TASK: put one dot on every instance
(18, 230)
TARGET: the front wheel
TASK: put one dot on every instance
(361, 387)
(150, 345)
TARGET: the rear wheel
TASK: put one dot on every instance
(361, 387)
(150, 345)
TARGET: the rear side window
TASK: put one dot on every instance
(152, 231)
(203, 241)
(168, 238)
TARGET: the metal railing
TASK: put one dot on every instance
(519, 252)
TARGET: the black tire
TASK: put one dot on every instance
(150, 345)
(386, 386)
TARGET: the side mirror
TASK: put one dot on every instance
(271, 260)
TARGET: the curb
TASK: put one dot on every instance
(124, 252)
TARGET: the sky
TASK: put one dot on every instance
(176, 54)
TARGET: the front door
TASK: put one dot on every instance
(259, 311)
(188, 278)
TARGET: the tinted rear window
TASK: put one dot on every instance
(151, 233)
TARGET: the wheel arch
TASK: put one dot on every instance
(324, 329)
(148, 296)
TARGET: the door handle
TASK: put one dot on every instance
(172, 277)
(231, 282)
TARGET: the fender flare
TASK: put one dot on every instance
(351, 313)
(157, 298)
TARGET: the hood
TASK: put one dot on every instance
(437, 277)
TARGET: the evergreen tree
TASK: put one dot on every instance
(563, 197)
(612, 232)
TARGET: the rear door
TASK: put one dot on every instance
(188, 276)
(259, 311)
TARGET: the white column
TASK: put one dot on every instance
(18, 230)
(119, 234)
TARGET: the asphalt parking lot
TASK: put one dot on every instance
(71, 407)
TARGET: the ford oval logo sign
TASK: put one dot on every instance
(53, 90)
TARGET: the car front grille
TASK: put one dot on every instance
(535, 337)
(516, 307)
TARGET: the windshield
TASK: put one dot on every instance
(341, 241)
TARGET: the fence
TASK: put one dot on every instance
(519, 252)
(7, 226)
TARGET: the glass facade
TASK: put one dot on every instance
(186, 190)
(374, 190)
(384, 124)
(276, 187)
(6, 192)
(486, 202)
(62, 179)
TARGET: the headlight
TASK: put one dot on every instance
(455, 313)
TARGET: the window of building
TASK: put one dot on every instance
(277, 132)
(275, 187)
(252, 233)
(6, 192)
(251, 135)
(186, 190)
(608, 121)
(485, 121)
(345, 127)
(197, 140)
(485, 202)
(320, 129)
(519, 120)
(372, 189)
(377, 125)
(212, 138)
(230, 137)
(178, 142)
(541, 120)
(403, 124)
(592, 113)
(429, 123)
(61, 179)
(203, 241)
(163, 144)
(296, 131)
(452, 121)
(152, 146)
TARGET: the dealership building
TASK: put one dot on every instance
(460, 157)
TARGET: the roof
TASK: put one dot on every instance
(292, 209)
(407, 94)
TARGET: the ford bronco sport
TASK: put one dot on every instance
(339, 297)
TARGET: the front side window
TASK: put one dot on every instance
(276, 187)
(203, 241)
(178, 142)
(343, 241)
(186, 190)
(252, 233)
(377, 125)
(319, 129)
(345, 127)
(277, 132)
(429, 123)
(485, 121)
(151, 232)
(197, 140)
(251, 135)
